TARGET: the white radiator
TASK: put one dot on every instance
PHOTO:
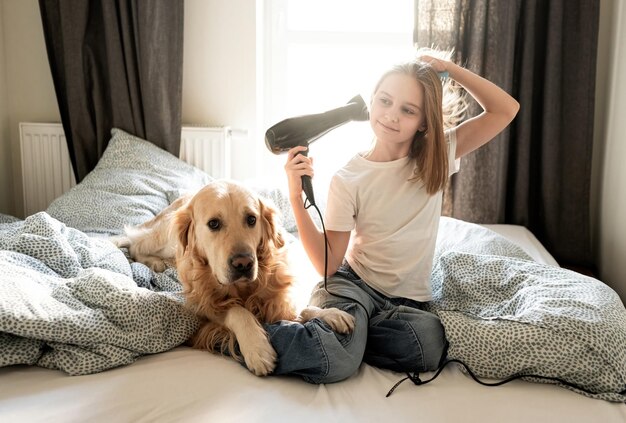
(207, 148)
(46, 167)
(47, 171)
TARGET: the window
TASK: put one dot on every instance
(318, 54)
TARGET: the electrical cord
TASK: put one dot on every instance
(307, 205)
(417, 381)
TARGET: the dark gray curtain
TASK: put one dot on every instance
(117, 64)
(538, 172)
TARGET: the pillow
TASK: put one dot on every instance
(280, 197)
(6, 218)
(128, 186)
(505, 314)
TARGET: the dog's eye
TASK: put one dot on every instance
(214, 224)
(251, 220)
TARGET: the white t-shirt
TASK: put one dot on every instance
(394, 222)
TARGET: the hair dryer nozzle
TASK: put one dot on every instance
(303, 130)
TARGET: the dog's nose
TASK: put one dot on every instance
(241, 263)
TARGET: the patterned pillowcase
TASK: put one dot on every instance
(128, 186)
(5, 218)
(280, 197)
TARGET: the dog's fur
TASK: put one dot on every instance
(231, 260)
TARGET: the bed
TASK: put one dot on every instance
(87, 335)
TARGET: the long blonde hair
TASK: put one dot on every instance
(444, 107)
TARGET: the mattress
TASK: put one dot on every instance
(188, 385)
(192, 386)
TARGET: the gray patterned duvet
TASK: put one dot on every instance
(74, 303)
(505, 314)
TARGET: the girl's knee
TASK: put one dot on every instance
(415, 343)
(341, 353)
(433, 341)
(340, 364)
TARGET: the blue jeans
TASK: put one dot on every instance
(390, 333)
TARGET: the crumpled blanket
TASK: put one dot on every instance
(74, 303)
(505, 314)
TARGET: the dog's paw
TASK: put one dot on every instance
(338, 320)
(120, 241)
(260, 358)
(158, 266)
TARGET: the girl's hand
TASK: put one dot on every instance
(438, 65)
(297, 165)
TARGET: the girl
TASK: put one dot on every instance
(382, 217)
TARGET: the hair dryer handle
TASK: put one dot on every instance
(307, 185)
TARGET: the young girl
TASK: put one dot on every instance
(382, 217)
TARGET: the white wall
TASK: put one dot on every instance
(30, 91)
(219, 72)
(610, 154)
(220, 88)
(6, 169)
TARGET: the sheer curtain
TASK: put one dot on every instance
(115, 64)
(537, 173)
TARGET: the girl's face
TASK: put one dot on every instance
(397, 110)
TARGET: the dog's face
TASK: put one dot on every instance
(230, 228)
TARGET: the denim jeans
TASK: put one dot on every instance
(390, 333)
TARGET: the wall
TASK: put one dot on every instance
(219, 72)
(30, 91)
(220, 88)
(6, 169)
(610, 153)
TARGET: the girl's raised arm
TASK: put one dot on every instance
(499, 108)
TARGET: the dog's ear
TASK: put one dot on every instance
(183, 229)
(269, 217)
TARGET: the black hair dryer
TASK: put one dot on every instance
(303, 130)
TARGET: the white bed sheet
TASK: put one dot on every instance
(525, 239)
(194, 386)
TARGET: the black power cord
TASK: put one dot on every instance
(307, 205)
(417, 381)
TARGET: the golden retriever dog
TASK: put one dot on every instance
(231, 259)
